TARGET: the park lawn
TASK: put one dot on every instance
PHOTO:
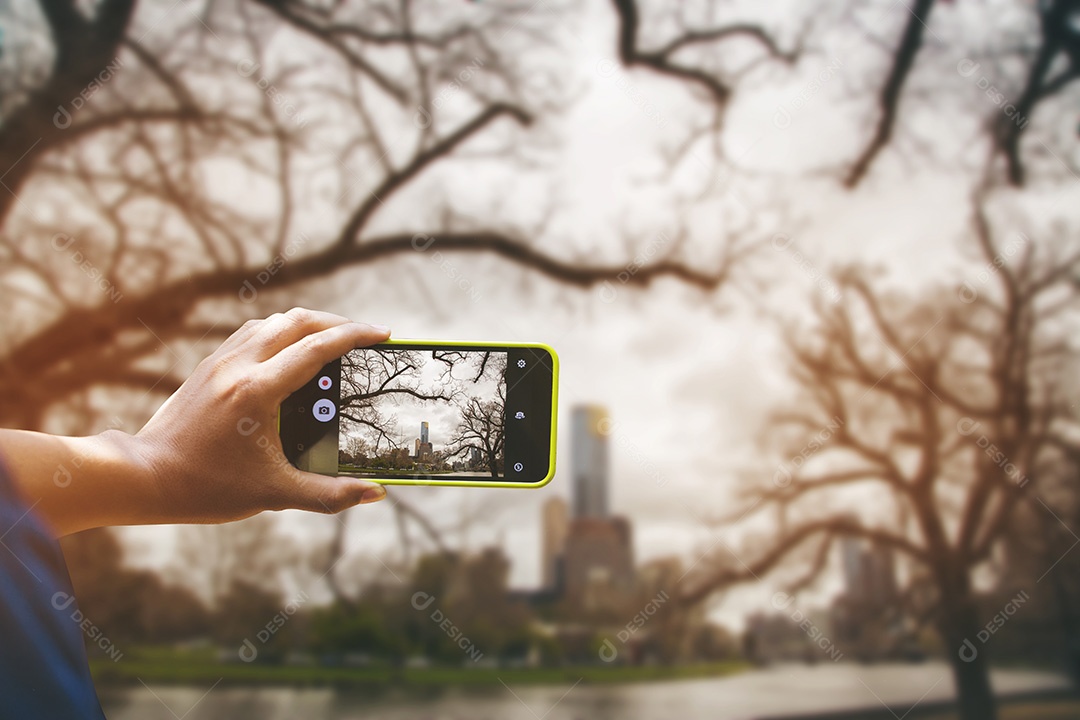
(163, 666)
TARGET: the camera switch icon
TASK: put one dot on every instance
(324, 410)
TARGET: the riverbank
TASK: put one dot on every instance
(194, 668)
(834, 690)
(1052, 705)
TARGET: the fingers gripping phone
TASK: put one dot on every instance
(422, 412)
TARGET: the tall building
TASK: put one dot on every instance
(879, 565)
(588, 559)
(553, 543)
(869, 573)
(424, 450)
(865, 617)
(599, 564)
(851, 554)
(589, 461)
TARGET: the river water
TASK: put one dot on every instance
(774, 691)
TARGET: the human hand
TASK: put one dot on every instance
(213, 450)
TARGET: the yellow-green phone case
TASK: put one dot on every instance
(554, 415)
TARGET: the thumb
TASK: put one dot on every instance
(320, 493)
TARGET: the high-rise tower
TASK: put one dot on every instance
(596, 570)
(589, 461)
(555, 526)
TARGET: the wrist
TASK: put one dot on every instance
(112, 482)
(136, 491)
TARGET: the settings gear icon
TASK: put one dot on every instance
(521, 363)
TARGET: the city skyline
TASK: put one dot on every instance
(383, 388)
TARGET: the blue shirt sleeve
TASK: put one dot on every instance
(44, 672)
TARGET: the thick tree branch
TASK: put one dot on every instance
(889, 97)
(661, 60)
(83, 50)
(166, 307)
(744, 30)
(1059, 35)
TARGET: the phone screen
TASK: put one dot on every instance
(427, 413)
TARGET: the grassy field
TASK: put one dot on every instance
(166, 666)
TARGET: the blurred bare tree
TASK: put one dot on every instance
(213, 558)
(938, 417)
(887, 377)
(130, 605)
(159, 181)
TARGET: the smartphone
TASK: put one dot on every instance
(425, 412)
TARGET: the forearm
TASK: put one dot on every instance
(193, 461)
(77, 483)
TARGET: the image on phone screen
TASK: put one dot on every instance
(427, 413)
